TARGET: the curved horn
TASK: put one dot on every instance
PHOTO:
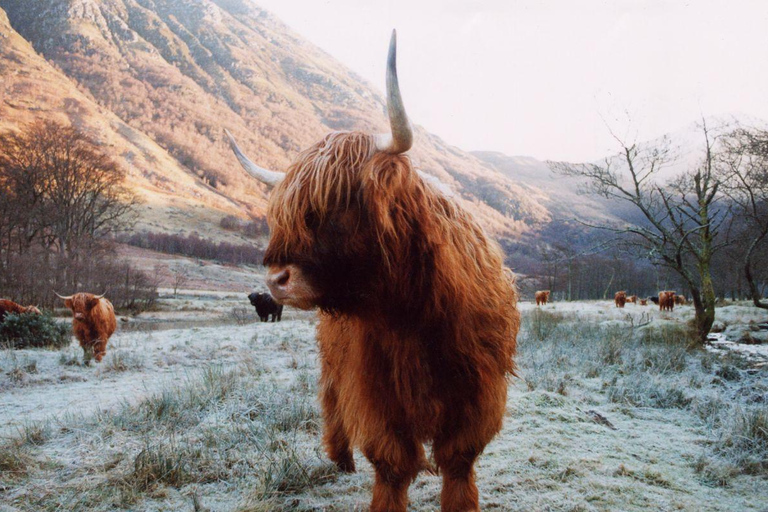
(62, 296)
(100, 296)
(271, 178)
(401, 138)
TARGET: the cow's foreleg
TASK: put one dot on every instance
(335, 438)
(397, 460)
(99, 350)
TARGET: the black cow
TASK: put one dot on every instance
(265, 305)
(654, 299)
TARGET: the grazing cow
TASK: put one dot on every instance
(666, 300)
(644, 302)
(680, 300)
(542, 297)
(655, 300)
(8, 306)
(418, 316)
(632, 299)
(93, 321)
(265, 306)
(620, 299)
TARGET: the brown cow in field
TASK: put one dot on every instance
(542, 297)
(418, 318)
(680, 300)
(8, 306)
(643, 302)
(93, 321)
(666, 300)
(632, 299)
(620, 299)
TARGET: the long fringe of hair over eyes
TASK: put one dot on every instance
(432, 251)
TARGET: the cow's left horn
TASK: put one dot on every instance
(401, 138)
(271, 178)
(100, 296)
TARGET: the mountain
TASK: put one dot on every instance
(156, 81)
(560, 195)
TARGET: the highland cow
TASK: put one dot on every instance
(93, 322)
(265, 306)
(418, 318)
(8, 306)
(620, 299)
(680, 300)
(632, 299)
(666, 300)
(643, 302)
(542, 297)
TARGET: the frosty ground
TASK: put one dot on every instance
(197, 408)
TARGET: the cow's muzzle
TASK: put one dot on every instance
(288, 286)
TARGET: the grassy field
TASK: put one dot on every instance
(611, 412)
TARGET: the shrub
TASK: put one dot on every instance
(543, 324)
(744, 440)
(28, 330)
(242, 316)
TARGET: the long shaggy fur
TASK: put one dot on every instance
(418, 314)
(96, 325)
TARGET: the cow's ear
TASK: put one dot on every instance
(68, 303)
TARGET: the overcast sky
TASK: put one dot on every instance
(538, 77)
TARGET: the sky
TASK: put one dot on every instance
(551, 78)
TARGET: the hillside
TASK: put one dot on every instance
(157, 81)
(558, 194)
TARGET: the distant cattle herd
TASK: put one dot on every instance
(666, 300)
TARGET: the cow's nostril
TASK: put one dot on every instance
(282, 278)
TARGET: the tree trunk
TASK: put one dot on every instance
(754, 292)
(704, 305)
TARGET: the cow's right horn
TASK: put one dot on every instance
(400, 138)
(62, 296)
(271, 178)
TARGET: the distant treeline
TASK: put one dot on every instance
(61, 199)
(254, 228)
(195, 247)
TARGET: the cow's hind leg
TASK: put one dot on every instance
(456, 465)
(397, 460)
(336, 441)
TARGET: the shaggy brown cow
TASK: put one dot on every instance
(8, 306)
(418, 315)
(632, 299)
(680, 300)
(666, 300)
(93, 321)
(542, 297)
(620, 299)
(643, 302)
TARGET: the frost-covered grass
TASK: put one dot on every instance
(608, 413)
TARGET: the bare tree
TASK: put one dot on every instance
(679, 221)
(746, 184)
(180, 277)
(60, 196)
